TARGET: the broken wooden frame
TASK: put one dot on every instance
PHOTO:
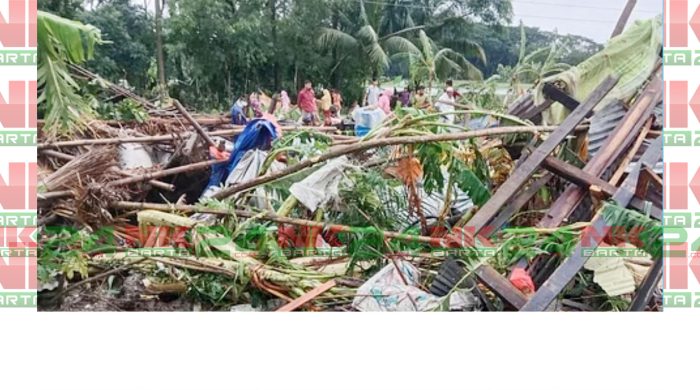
(508, 199)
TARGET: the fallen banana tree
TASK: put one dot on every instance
(370, 144)
(226, 259)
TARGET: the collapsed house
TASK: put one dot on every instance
(554, 205)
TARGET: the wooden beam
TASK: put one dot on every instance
(577, 175)
(523, 197)
(562, 97)
(617, 142)
(587, 181)
(522, 174)
(624, 17)
(648, 177)
(194, 124)
(502, 286)
(309, 296)
(556, 283)
(646, 289)
(508, 190)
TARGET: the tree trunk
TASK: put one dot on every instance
(159, 50)
(273, 21)
(430, 87)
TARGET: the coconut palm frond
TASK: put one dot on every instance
(367, 34)
(330, 38)
(62, 42)
(400, 44)
(377, 56)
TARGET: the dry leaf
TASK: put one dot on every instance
(409, 170)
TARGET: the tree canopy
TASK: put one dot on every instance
(215, 50)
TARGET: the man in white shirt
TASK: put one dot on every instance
(372, 94)
(445, 103)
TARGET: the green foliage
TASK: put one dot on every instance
(215, 289)
(517, 243)
(467, 181)
(428, 62)
(368, 195)
(216, 50)
(69, 9)
(269, 249)
(430, 156)
(646, 232)
(63, 251)
(62, 42)
(125, 110)
(129, 29)
(365, 244)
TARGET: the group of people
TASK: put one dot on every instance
(331, 102)
(387, 99)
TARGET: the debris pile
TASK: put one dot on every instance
(551, 204)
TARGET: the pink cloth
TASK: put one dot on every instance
(307, 100)
(285, 101)
(384, 102)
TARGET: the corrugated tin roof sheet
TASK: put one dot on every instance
(602, 124)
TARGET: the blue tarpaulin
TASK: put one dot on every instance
(258, 134)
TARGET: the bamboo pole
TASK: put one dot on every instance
(154, 183)
(436, 241)
(194, 124)
(54, 195)
(164, 172)
(365, 145)
(167, 137)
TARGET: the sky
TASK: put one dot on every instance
(593, 19)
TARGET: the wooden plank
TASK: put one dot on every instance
(577, 175)
(624, 17)
(508, 190)
(523, 197)
(648, 177)
(522, 174)
(502, 286)
(560, 96)
(646, 289)
(525, 107)
(586, 180)
(572, 265)
(619, 139)
(309, 296)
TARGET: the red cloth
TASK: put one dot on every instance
(522, 281)
(219, 155)
(307, 100)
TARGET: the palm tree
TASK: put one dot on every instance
(534, 66)
(368, 39)
(62, 42)
(429, 61)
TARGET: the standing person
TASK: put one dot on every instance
(384, 102)
(285, 103)
(455, 94)
(336, 99)
(420, 99)
(445, 104)
(238, 116)
(405, 97)
(326, 104)
(372, 94)
(307, 104)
